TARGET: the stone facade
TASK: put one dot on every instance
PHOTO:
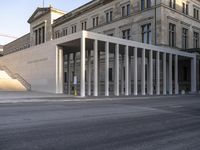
(17, 45)
(1, 50)
(42, 18)
(158, 13)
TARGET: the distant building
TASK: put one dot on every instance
(1, 50)
(172, 25)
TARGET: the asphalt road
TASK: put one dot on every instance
(143, 124)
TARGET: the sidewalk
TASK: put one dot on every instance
(26, 97)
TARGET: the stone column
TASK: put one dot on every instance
(95, 68)
(116, 70)
(193, 75)
(143, 82)
(130, 75)
(74, 64)
(176, 75)
(164, 74)
(135, 72)
(69, 75)
(170, 74)
(107, 69)
(150, 72)
(89, 73)
(99, 72)
(157, 73)
(198, 75)
(122, 75)
(60, 71)
(82, 87)
(127, 70)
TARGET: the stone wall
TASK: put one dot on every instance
(164, 16)
(31, 63)
(17, 45)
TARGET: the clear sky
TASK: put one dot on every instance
(15, 13)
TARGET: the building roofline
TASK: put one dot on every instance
(79, 11)
(17, 39)
(47, 10)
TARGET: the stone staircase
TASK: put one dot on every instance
(12, 82)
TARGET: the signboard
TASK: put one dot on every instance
(75, 80)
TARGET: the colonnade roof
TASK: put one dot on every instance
(72, 42)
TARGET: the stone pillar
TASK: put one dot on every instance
(176, 75)
(127, 70)
(198, 75)
(60, 71)
(164, 74)
(150, 73)
(74, 64)
(157, 73)
(99, 72)
(122, 75)
(143, 82)
(130, 75)
(89, 73)
(107, 69)
(170, 75)
(82, 87)
(69, 75)
(135, 72)
(116, 70)
(193, 75)
(95, 68)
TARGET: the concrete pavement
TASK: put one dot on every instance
(31, 96)
(138, 124)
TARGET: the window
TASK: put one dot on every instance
(145, 4)
(43, 34)
(185, 74)
(110, 34)
(65, 32)
(39, 35)
(57, 34)
(84, 25)
(185, 8)
(142, 4)
(126, 34)
(184, 38)
(110, 75)
(196, 40)
(36, 37)
(109, 16)
(126, 10)
(73, 28)
(95, 21)
(172, 35)
(146, 33)
(196, 13)
(172, 4)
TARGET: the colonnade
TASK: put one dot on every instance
(153, 70)
(147, 86)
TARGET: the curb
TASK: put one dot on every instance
(85, 99)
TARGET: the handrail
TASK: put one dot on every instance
(16, 76)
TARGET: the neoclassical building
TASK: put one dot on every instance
(111, 47)
(1, 50)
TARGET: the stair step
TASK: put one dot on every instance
(11, 85)
(4, 75)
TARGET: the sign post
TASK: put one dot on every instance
(75, 85)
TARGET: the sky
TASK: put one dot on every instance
(15, 13)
